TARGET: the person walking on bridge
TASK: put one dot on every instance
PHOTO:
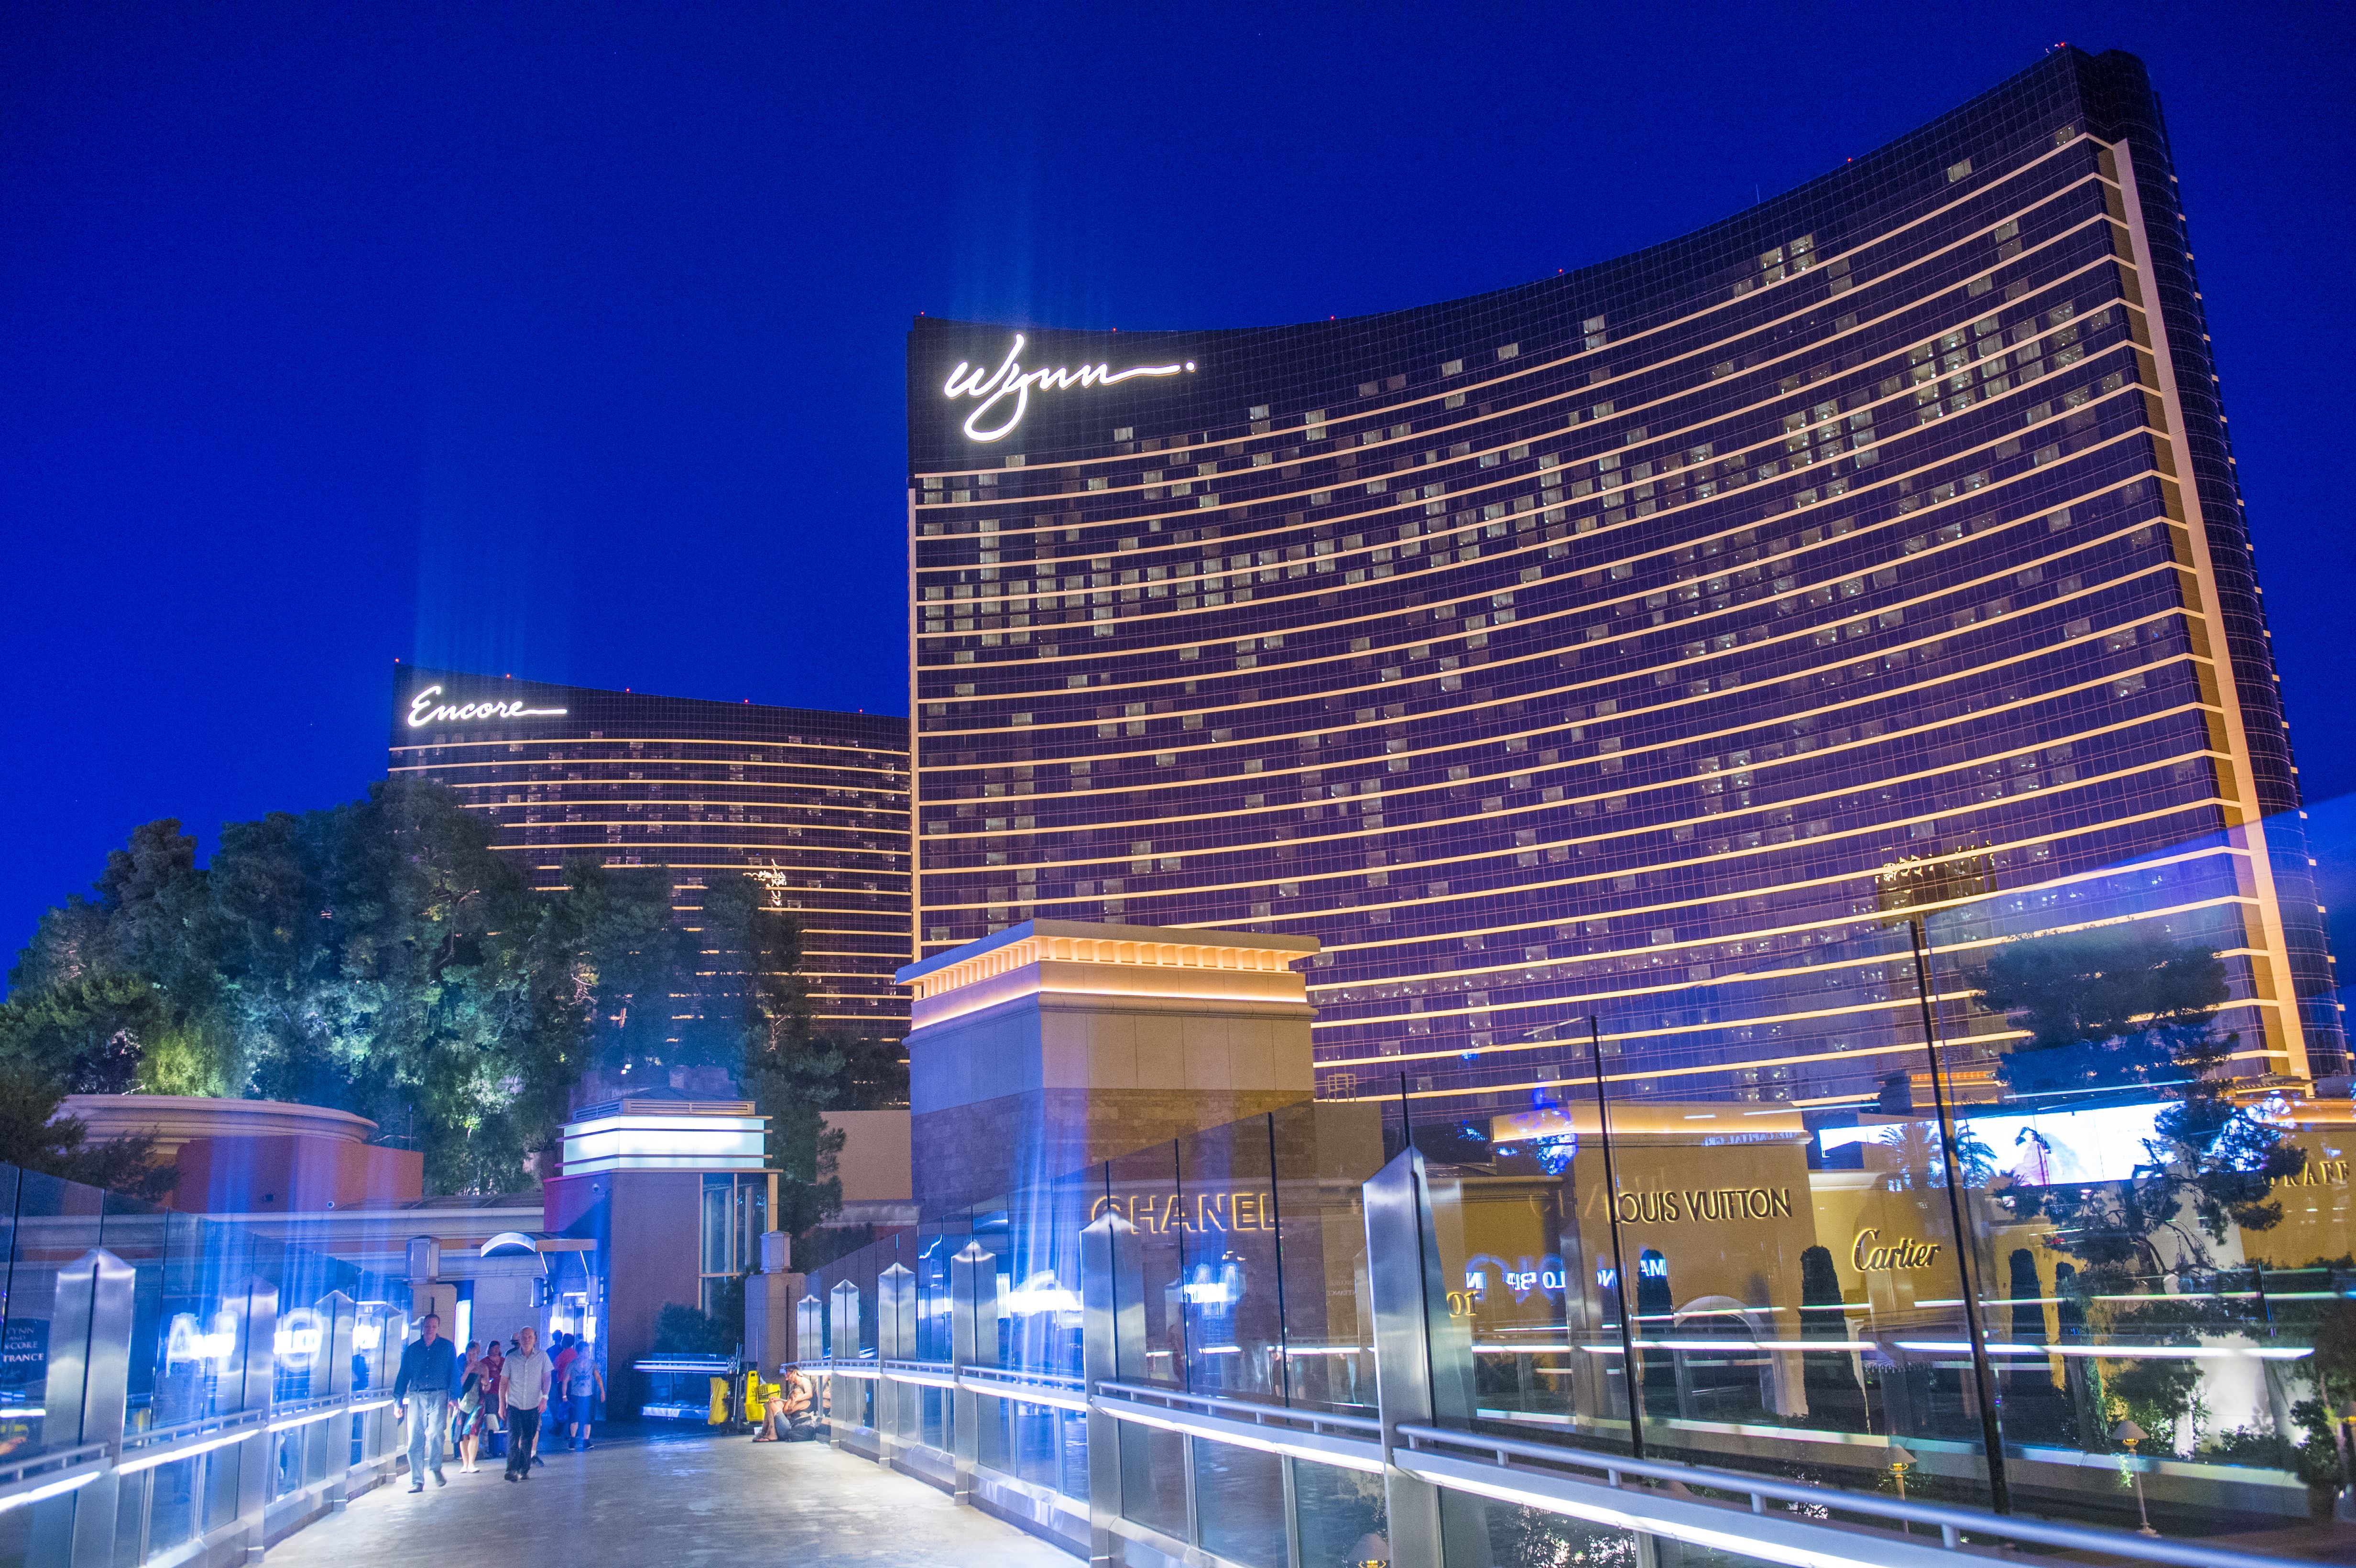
(523, 1389)
(429, 1371)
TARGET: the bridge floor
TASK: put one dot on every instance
(668, 1500)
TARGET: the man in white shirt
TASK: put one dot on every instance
(523, 1389)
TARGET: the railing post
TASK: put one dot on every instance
(1423, 1366)
(88, 1392)
(335, 1463)
(843, 1345)
(895, 1340)
(809, 1331)
(973, 1343)
(1112, 1349)
(246, 1384)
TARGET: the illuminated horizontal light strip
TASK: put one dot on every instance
(47, 1489)
(1730, 820)
(1410, 793)
(1284, 774)
(1696, 626)
(287, 1424)
(1387, 413)
(2121, 1353)
(2061, 835)
(1447, 980)
(1514, 971)
(1689, 1344)
(1646, 1514)
(1730, 858)
(1825, 1057)
(1350, 1454)
(882, 773)
(1536, 662)
(997, 595)
(1602, 987)
(1408, 502)
(1410, 505)
(148, 1457)
(1528, 543)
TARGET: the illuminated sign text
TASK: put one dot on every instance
(424, 711)
(1011, 380)
(1158, 1214)
(1866, 1254)
(1679, 1206)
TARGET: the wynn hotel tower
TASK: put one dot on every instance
(1610, 647)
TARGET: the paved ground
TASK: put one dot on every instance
(682, 1500)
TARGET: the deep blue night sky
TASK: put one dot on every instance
(566, 339)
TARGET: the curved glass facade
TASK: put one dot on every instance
(1630, 643)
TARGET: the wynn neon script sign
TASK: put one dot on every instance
(1011, 380)
(424, 711)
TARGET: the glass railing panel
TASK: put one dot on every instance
(2159, 1188)
(1239, 1503)
(1149, 1189)
(1227, 1291)
(1342, 1516)
(57, 1222)
(1041, 1265)
(1153, 1479)
(1531, 1281)
(1324, 1153)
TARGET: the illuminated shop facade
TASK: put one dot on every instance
(813, 803)
(1636, 643)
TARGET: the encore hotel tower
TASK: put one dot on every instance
(1595, 646)
(814, 804)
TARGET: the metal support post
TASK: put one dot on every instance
(895, 1340)
(88, 1392)
(973, 1343)
(1112, 1349)
(1423, 1366)
(245, 1385)
(1984, 1381)
(844, 1396)
(1631, 1370)
(809, 1330)
(330, 1458)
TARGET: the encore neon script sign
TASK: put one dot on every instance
(1011, 380)
(424, 711)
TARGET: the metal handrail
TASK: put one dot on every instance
(1063, 1380)
(929, 1374)
(1250, 1410)
(187, 1439)
(1950, 1521)
(29, 1478)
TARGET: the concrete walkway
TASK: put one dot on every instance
(669, 1501)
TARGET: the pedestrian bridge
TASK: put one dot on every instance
(1277, 1344)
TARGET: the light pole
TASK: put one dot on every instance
(2128, 1433)
(1900, 1461)
(2343, 1508)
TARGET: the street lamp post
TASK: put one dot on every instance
(2343, 1508)
(2128, 1433)
(1900, 1461)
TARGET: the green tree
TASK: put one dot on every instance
(33, 1137)
(2127, 1010)
(793, 1074)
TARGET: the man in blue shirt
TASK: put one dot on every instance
(429, 1368)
